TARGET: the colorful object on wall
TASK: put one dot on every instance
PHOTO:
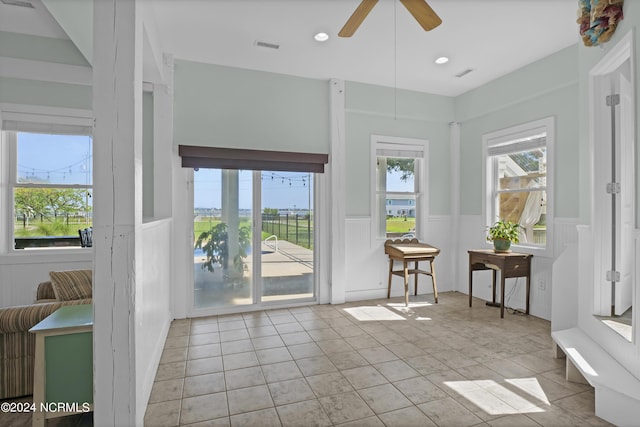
(598, 20)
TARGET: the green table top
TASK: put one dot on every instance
(69, 316)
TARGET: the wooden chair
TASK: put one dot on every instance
(411, 250)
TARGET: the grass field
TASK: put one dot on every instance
(400, 225)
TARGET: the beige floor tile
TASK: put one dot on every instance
(307, 413)
(282, 318)
(377, 355)
(453, 358)
(262, 331)
(163, 391)
(204, 384)
(426, 364)
(289, 328)
(204, 328)
(310, 325)
(447, 412)
(202, 408)
(231, 325)
(302, 351)
(204, 351)
(164, 414)
(290, 391)
(240, 360)
(363, 377)
(404, 350)
(167, 371)
(296, 338)
(420, 390)
(176, 342)
(202, 339)
(517, 420)
(218, 422)
(347, 360)
(263, 418)
(384, 398)
(328, 384)
(323, 334)
(174, 354)
(362, 341)
(345, 407)
(257, 322)
(334, 346)
(246, 377)
(315, 365)
(396, 370)
(273, 355)
(262, 343)
(406, 417)
(234, 335)
(556, 416)
(249, 399)
(282, 371)
(233, 347)
(204, 366)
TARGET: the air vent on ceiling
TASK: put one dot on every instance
(464, 73)
(267, 45)
(19, 3)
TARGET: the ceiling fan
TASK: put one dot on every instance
(420, 10)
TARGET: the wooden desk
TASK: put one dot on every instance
(510, 264)
(63, 373)
(407, 251)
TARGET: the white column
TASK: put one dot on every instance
(230, 213)
(337, 171)
(117, 165)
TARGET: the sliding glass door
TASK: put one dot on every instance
(253, 238)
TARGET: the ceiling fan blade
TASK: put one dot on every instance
(356, 19)
(423, 13)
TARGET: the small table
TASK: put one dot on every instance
(510, 264)
(407, 251)
(63, 373)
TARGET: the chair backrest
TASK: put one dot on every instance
(86, 237)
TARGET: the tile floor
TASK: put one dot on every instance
(370, 363)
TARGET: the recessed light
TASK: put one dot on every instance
(441, 60)
(321, 37)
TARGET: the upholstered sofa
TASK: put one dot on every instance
(17, 344)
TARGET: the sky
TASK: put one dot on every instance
(67, 159)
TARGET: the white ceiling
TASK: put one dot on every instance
(492, 37)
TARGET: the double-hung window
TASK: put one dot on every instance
(399, 202)
(49, 177)
(519, 178)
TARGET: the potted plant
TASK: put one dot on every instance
(214, 243)
(502, 234)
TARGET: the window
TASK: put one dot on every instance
(519, 181)
(49, 183)
(399, 204)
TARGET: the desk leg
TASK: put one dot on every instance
(406, 284)
(470, 281)
(493, 288)
(501, 295)
(528, 290)
(390, 276)
(433, 278)
(415, 279)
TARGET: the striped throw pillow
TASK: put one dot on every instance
(72, 284)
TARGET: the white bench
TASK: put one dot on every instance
(617, 390)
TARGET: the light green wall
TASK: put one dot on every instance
(548, 87)
(385, 111)
(35, 92)
(24, 46)
(236, 108)
(76, 18)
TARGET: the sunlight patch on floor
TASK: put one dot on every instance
(515, 396)
(371, 313)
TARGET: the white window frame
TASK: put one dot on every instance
(16, 118)
(400, 144)
(512, 138)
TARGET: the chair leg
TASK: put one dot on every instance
(390, 276)
(406, 284)
(415, 291)
(433, 278)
